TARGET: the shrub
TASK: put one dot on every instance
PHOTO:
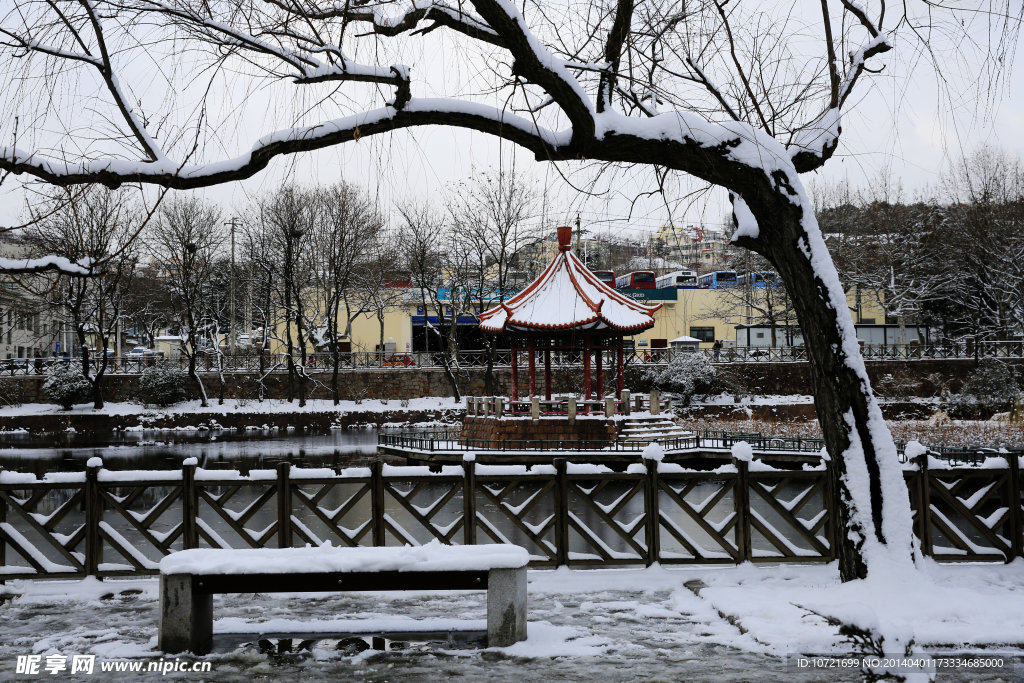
(990, 388)
(686, 375)
(66, 385)
(162, 384)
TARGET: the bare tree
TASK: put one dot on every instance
(342, 238)
(492, 215)
(752, 98)
(185, 240)
(99, 226)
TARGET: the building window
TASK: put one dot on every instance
(705, 334)
(760, 335)
(867, 321)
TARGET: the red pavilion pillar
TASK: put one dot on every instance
(532, 367)
(586, 370)
(547, 373)
(620, 372)
(515, 369)
(599, 357)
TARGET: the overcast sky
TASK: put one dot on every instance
(899, 122)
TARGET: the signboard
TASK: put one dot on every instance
(650, 296)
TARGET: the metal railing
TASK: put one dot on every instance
(452, 441)
(318, 363)
(121, 523)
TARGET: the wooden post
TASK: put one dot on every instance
(547, 374)
(624, 393)
(741, 505)
(561, 513)
(535, 409)
(93, 517)
(924, 515)
(189, 508)
(599, 357)
(3, 543)
(570, 409)
(655, 402)
(377, 502)
(284, 505)
(831, 504)
(609, 407)
(515, 370)
(586, 371)
(620, 370)
(1016, 531)
(532, 365)
(468, 502)
(652, 526)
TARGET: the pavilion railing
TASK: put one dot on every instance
(536, 407)
(120, 523)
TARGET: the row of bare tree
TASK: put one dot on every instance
(949, 258)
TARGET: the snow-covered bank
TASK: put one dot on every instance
(655, 612)
(231, 406)
(234, 414)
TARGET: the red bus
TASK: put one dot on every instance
(606, 276)
(639, 279)
(397, 279)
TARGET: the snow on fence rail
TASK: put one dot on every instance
(359, 360)
(120, 523)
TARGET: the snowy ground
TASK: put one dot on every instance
(609, 625)
(238, 406)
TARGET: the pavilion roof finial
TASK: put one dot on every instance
(564, 237)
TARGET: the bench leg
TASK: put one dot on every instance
(186, 619)
(506, 606)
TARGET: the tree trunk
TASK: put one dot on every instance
(870, 498)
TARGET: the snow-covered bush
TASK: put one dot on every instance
(162, 385)
(66, 385)
(687, 375)
(990, 388)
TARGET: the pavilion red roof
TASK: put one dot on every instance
(567, 296)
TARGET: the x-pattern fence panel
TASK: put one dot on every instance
(109, 523)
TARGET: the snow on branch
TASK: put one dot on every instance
(167, 173)
(81, 267)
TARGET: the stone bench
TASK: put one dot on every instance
(189, 580)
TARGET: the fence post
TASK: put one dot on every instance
(1016, 539)
(829, 502)
(609, 407)
(189, 506)
(3, 543)
(377, 501)
(469, 499)
(924, 515)
(652, 530)
(93, 517)
(535, 409)
(625, 401)
(561, 513)
(570, 409)
(654, 402)
(741, 505)
(284, 505)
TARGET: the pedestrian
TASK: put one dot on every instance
(717, 346)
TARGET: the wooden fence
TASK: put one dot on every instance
(113, 523)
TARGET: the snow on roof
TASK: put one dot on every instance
(568, 296)
(684, 338)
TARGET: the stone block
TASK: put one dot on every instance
(506, 606)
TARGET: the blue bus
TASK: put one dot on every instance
(719, 279)
(759, 280)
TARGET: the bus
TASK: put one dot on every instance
(605, 276)
(758, 280)
(681, 279)
(639, 279)
(719, 279)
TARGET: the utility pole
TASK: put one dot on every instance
(577, 234)
(231, 306)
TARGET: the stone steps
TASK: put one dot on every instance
(646, 430)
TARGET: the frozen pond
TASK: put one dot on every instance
(164, 449)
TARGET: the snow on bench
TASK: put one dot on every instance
(189, 580)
